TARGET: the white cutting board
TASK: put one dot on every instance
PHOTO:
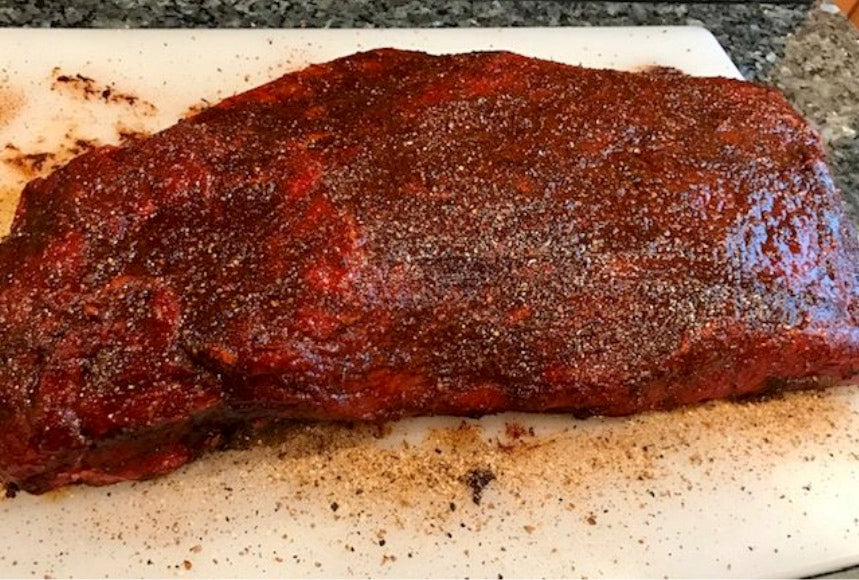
(752, 489)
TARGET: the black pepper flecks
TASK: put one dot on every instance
(478, 480)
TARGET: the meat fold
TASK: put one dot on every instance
(394, 233)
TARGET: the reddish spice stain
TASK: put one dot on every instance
(11, 102)
(30, 164)
(196, 108)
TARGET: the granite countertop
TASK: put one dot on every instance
(809, 52)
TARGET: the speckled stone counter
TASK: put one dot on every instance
(755, 34)
(810, 52)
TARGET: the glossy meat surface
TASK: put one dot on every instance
(394, 233)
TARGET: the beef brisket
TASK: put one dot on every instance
(394, 233)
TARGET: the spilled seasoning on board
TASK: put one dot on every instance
(584, 471)
(202, 105)
(11, 102)
(89, 89)
(350, 464)
(31, 164)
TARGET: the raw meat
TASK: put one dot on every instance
(395, 233)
